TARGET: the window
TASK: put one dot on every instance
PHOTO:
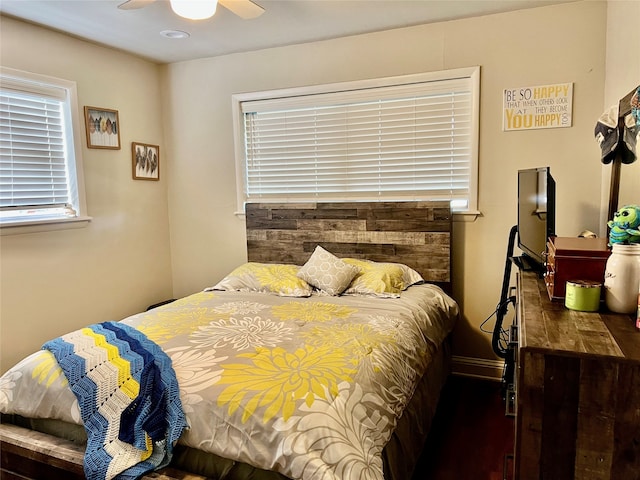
(40, 162)
(402, 138)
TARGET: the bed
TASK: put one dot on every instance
(319, 374)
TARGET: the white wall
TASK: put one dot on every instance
(55, 282)
(555, 44)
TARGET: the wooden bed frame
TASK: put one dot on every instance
(417, 234)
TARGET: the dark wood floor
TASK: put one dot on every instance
(471, 434)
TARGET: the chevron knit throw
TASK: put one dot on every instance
(128, 396)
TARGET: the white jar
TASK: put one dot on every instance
(622, 278)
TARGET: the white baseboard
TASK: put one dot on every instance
(477, 367)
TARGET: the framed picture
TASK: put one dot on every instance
(145, 161)
(103, 128)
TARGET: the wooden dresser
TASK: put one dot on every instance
(577, 391)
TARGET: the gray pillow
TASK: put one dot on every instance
(327, 272)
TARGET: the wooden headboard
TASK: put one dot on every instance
(417, 234)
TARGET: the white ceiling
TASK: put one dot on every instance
(284, 22)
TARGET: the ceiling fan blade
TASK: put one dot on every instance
(245, 9)
(134, 4)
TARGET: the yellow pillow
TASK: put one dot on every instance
(381, 279)
(276, 278)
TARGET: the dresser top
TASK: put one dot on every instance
(546, 325)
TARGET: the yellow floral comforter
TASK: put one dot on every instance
(309, 387)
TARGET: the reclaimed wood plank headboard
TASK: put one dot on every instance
(417, 234)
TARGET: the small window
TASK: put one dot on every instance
(403, 138)
(40, 160)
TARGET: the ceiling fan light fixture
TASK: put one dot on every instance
(194, 9)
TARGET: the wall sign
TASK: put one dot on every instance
(528, 108)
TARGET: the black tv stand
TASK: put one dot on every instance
(527, 264)
(502, 347)
(502, 341)
(497, 342)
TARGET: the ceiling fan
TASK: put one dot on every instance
(202, 9)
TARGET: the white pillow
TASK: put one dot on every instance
(327, 272)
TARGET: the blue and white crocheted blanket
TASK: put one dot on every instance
(128, 397)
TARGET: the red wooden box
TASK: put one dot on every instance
(574, 258)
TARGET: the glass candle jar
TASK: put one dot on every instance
(583, 296)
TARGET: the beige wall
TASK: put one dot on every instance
(145, 243)
(622, 75)
(540, 46)
(55, 282)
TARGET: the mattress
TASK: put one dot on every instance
(317, 387)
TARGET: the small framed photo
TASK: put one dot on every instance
(103, 128)
(145, 161)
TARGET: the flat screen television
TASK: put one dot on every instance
(536, 215)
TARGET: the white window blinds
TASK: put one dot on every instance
(408, 141)
(38, 166)
(32, 158)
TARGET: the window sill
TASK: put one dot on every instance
(467, 217)
(48, 225)
(470, 216)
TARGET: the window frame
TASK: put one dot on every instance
(471, 73)
(35, 83)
